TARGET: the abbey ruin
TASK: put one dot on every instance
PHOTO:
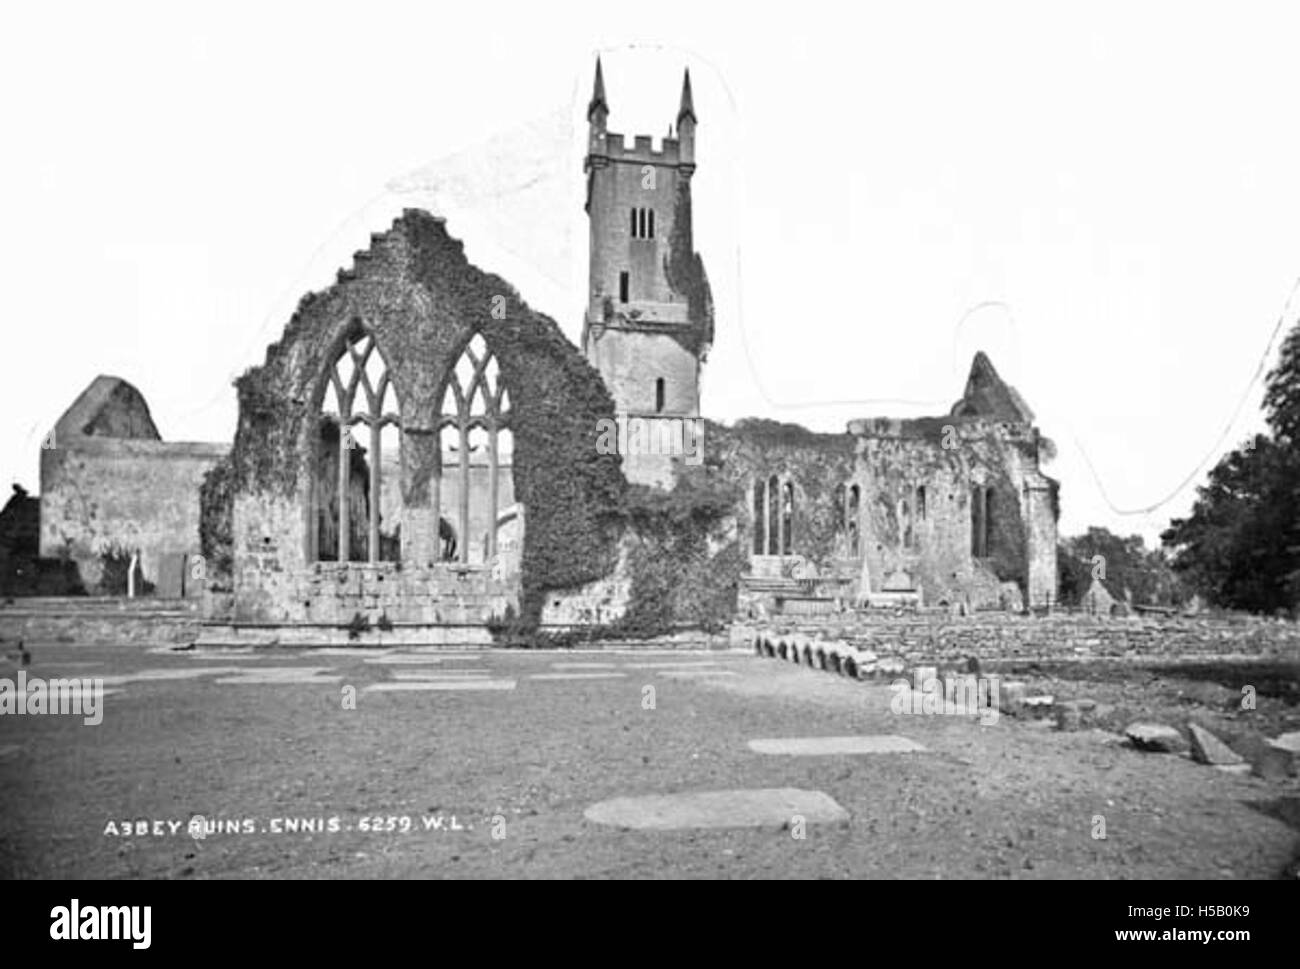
(421, 452)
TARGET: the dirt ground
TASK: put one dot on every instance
(507, 774)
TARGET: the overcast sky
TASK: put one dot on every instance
(1105, 200)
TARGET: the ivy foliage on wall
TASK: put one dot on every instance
(684, 270)
(685, 563)
(424, 300)
(216, 531)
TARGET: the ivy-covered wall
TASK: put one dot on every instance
(422, 300)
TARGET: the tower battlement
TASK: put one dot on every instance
(648, 319)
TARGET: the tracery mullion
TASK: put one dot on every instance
(375, 484)
(345, 480)
(492, 488)
(463, 424)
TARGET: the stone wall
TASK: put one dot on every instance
(134, 493)
(415, 293)
(939, 636)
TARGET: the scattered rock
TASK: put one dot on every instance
(1012, 696)
(891, 667)
(1037, 705)
(1209, 749)
(1288, 741)
(1269, 761)
(1075, 714)
(1156, 737)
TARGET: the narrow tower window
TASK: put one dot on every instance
(634, 223)
(651, 234)
(659, 396)
(622, 287)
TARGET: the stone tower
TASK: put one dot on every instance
(649, 318)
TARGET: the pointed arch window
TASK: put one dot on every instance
(477, 445)
(357, 495)
(774, 516)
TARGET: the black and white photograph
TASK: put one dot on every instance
(650, 442)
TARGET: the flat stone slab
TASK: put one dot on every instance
(399, 659)
(812, 746)
(744, 808)
(1155, 737)
(254, 679)
(231, 656)
(577, 676)
(146, 676)
(423, 685)
(681, 665)
(693, 674)
(447, 652)
(584, 666)
(435, 674)
(351, 651)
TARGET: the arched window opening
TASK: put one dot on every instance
(477, 453)
(773, 515)
(855, 500)
(787, 518)
(774, 510)
(357, 500)
(979, 521)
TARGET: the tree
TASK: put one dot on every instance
(1238, 546)
(1124, 564)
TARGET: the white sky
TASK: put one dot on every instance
(1118, 182)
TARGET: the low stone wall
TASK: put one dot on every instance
(999, 636)
(86, 621)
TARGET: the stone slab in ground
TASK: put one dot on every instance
(1209, 749)
(681, 665)
(421, 685)
(695, 674)
(808, 746)
(399, 659)
(171, 673)
(436, 674)
(584, 666)
(254, 679)
(1155, 737)
(742, 808)
(608, 675)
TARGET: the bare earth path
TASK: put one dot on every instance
(491, 759)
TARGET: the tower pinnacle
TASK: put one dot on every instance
(598, 102)
(687, 110)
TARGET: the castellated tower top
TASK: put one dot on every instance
(649, 317)
(606, 146)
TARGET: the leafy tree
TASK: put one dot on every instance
(1124, 564)
(1240, 546)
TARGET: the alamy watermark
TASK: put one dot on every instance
(668, 436)
(960, 695)
(78, 697)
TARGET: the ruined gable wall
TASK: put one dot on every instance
(424, 301)
(889, 460)
(139, 494)
(898, 457)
